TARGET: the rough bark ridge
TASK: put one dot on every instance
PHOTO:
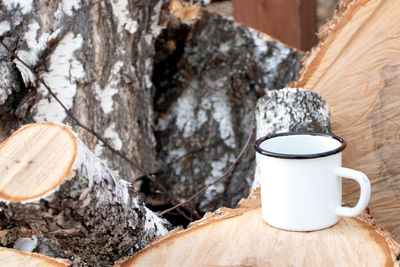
(208, 77)
(97, 56)
(92, 214)
(290, 109)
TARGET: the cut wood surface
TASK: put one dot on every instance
(52, 183)
(356, 69)
(240, 237)
(16, 258)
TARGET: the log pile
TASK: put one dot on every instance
(198, 94)
(141, 63)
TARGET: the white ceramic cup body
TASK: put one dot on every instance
(301, 181)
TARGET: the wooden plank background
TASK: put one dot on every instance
(290, 21)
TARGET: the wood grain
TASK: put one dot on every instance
(240, 237)
(15, 258)
(35, 160)
(355, 68)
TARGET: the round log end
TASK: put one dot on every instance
(30, 170)
(16, 258)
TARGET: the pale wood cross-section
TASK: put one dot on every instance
(356, 69)
(240, 237)
(35, 162)
(16, 258)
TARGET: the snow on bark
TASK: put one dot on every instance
(290, 109)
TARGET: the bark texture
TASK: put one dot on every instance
(208, 77)
(92, 214)
(97, 56)
(290, 109)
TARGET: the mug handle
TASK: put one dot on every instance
(365, 192)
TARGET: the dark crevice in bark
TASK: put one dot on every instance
(169, 48)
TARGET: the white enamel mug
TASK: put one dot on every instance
(301, 180)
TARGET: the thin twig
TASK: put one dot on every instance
(227, 172)
(133, 164)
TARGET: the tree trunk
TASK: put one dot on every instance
(240, 237)
(16, 258)
(355, 68)
(97, 57)
(208, 77)
(51, 182)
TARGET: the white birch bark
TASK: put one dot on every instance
(290, 110)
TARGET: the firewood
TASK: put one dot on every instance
(356, 70)
(240, 237)
(51, 182)
(16, 258)
(152, 82)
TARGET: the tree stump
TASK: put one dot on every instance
(240, 237)
(355, 68)
(51, 182)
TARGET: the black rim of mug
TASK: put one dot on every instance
(264, 152)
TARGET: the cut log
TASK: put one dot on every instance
(16, 258)
(51, 182)
(290, 109)
(206, 93)
(240, 237)
(356, 69)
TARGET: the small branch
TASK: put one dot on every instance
(228, 172)
(133, 164)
